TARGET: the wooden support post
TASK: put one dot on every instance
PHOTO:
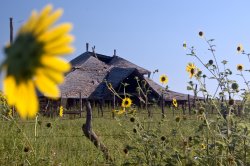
(11, 41)
(87, 47)
(195, 95)
(80, 96)
(11, 30)
(91, 135)
(99, 107)
(189, 105)
(183, 109)
(102, 108)
(50, 109)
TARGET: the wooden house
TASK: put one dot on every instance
(92, 72)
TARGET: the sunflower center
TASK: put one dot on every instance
(126, 102)
(238, 48)
(163, 79)
(17, 56)
(192, 71)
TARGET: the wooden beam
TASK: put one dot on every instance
(11, 30)
(91, 135)
(189, 105)
(80, 96)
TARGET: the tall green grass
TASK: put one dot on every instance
(60, 141)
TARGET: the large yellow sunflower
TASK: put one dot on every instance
(163, 79)
(32, 60)
(191, 69)
(126, 102)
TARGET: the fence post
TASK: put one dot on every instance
(189, 105)
(91, 135)
(183, 109)
(80, 95)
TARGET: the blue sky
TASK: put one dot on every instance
(148, 33)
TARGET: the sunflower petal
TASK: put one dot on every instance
(9, 88)
(29, 26)
(40, 25)
(55, 32)
(55, 63)
(54, 75)
(47, 86)
(22, 102)
(33, 103)
(50, 20)
(60, 46)
(62, 50)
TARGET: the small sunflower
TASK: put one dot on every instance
(184, 45)
(177, 119)
(240, 48)
(132, 119)
(163, 138)
(175, 103)
(120, 112)
(26, 149)
(210, 62)
(203, 146)
(49, 125)
(126, 102)
(240, 67)
(234, 86)
(32, 60)
(201, 34)
(125, 151)
(134, 130)
(191, 69)
(163, 79)
(231, 102)
(61, 111)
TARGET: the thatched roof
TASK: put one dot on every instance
(84, 77)
(109, 60)
(89, 70)
(168, 94)
(115, 77)
(123, 63)
(84, 56)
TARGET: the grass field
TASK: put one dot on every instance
(60, 141)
